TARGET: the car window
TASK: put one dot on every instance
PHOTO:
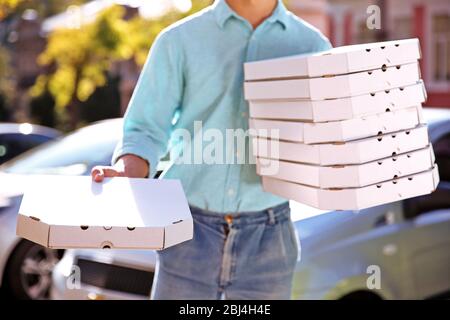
(442, 152)
(440, 199)
(13, 144)
(74, 154)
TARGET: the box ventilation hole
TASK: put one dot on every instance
(84, 227)
(384, 68)
(106, 245)
(35, 219)
(379, 135)
(131, 228)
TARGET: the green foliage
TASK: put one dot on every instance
(7, 6)
(44, 8)
(81, 58)
(6, 84)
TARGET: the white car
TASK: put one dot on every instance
(25, 267)
(393, 251)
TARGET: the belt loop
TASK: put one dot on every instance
(271, 214)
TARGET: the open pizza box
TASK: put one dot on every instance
(332, 87)
(340, 109)
(343, 153)
(356, 198)
(340, 60)
(339, 131)
(348, 176)
(73, 212)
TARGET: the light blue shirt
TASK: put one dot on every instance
(194, 72)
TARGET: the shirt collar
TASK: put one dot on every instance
(223, 12)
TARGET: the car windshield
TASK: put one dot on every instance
(74, 154)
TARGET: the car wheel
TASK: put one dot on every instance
(28, 274)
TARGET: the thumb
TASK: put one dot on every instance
(98, 174)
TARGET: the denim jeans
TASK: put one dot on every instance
(249, 255)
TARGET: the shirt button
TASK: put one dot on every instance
(230, 192)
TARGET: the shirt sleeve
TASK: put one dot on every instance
(158, 94)
(323, 44)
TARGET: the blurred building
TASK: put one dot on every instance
(26, 42)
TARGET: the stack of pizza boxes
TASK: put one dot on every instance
(342, 129)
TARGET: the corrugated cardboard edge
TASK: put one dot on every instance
(436, 178)
(32, 229)
(178, 232)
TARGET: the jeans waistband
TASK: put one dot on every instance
(271, 215)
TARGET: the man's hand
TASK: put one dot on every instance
(129, 165)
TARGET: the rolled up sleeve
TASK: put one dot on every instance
(148, 121)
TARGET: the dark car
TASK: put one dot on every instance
(17, 138)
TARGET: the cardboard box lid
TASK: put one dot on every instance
(338, 131)
(340, 86)
(340, 60)
(356, 198)
(63, 211)
(339, 109)
(350, 176)
(344, 153)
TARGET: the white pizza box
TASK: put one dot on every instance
(338, 60)
(338, 131)
(334, 86)
(352, 152)
(339, 109)
(120, 213)
(355, 198)
(350, 176)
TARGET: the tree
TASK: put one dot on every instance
(45, 8)
(80, 59)
(6, 82)
(8, 6)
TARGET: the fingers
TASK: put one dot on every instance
(98, 174)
